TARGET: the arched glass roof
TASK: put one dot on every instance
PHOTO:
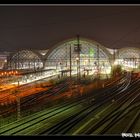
(87, 49)
(129, 53)
(90, 53)
(25, 59)
(25, 54)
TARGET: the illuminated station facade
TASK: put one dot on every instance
(91, 58)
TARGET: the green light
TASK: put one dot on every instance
(91, 52)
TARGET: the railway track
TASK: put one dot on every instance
(28, 101)
(90, 97)
(76, 118)
(115, 115)
(132, 122)
(58, 129)
(90, 108)
(53, 112)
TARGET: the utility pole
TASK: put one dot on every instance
(70, 72)
(98, 68)
(78, 49)
(77, 59)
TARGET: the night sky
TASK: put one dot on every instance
(41, 27)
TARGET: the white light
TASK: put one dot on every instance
(43, 53)
(116, 62)
(77, 58)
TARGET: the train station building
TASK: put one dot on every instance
(92, 57)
